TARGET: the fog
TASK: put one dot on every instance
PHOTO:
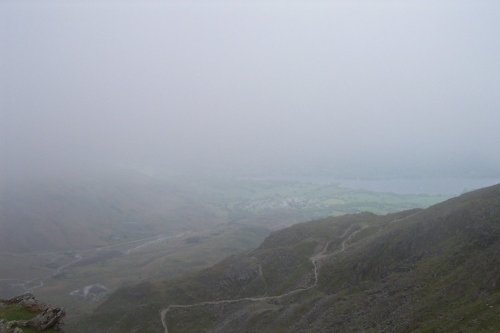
(347, 88)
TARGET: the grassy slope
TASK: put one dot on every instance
(284, 258)
(168, 259)
(16, 312)
(435, 270)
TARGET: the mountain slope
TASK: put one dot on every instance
(80, 213)
(432, 270)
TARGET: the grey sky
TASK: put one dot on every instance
(365, 86)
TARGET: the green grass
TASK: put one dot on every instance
(15, 312)
(204, 320)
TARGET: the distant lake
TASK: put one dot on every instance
(446, 186)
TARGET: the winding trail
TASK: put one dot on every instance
(315, 260)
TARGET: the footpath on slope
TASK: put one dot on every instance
(315, 260)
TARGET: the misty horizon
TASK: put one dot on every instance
(345, 89)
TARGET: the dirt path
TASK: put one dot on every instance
(315, 259)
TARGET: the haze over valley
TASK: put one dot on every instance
(265, 166)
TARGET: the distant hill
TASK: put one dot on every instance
(424, 270)
(82, 213)
(88, 211)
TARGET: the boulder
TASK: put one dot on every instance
(50, 318)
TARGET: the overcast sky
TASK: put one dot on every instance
(362, 87)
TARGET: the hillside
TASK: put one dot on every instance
(431, 270)
(85, 212)
(73, 240)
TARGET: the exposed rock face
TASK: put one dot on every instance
(49, 318)
(44, 316)
(27, 301)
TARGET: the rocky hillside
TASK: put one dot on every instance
(24, 314)
(432, 270)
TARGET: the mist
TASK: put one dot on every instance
(249, 166)
(348, 88)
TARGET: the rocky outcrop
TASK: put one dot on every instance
(45, 316)
(27, 301)
(7, 327)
